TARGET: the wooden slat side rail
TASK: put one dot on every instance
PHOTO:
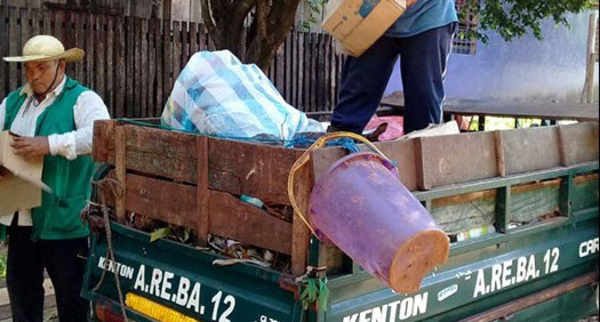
(579, 142)
(423, 163)
(235, 219)
(162, 200)
(176, 203)
(121, 171)
(103, 140)
(530, 149)
(402, 152)
(235, 167)
(255, 170)
(458, 158)
(300, 232)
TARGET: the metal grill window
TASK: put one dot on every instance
(462, 45)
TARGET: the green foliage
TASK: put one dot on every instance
(3, 256)
(160, 233)
(315, 7)
(515, 18)
(314, 291)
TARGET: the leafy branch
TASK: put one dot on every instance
(515, 18)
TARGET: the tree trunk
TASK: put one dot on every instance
(270, 22)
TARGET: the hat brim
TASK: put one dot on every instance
(71, 55)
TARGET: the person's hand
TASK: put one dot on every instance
(27, 147)
(410, 2)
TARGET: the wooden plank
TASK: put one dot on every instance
(279, 66)
(229, 217)
(294, 70)
(326, 87)
(287, 65)
(578, 142)
(167, 60)
(103, 141)
(138, 79)
(202, 193)
(307, 93)
(451, 159)
(530, 149)
(121, 72)
(300, 70)
(185, 41)
(25, 35)
(161, 153)
(143, 63)
(162, 200)
(194, 38)
(402, 152)
(79, 35)
(110, 37)
(90, 63)
(315, 71)
(202, 38)
(341, 62)
(177, 48)
(14, 48)
(232, 218)
(263, 174)
(100, 63)
(160, 99)
(26, 26)
(154, 108)
(4, 29)
(500, 161)
(46, 22)
(36, 21)
(300, 232)
(121, 171)
(527, 204)
(130, 67)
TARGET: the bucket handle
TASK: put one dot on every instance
(305, 157)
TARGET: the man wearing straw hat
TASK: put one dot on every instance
(53, 116)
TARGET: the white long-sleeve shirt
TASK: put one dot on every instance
(88, 108)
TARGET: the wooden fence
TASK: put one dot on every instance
(133, 62)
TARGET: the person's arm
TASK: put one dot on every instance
(88, 108)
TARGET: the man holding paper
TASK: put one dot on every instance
(53, 116)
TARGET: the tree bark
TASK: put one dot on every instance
(270, 24)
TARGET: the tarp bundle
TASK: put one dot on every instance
(218, 95)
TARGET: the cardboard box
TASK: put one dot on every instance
(357, 24)
(20, 179)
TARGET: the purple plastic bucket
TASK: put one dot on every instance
(360, 205)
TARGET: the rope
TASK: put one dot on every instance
(114, 187)
(305, 157)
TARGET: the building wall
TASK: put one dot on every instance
(525, 69)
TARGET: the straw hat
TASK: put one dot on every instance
(44, 48)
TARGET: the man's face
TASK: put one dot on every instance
(41, 74)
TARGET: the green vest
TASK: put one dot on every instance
(58, 216)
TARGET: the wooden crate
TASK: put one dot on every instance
(195, 181)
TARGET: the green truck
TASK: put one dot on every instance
(520, 208)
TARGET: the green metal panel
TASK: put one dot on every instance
(481, 273)
(465, 286)
(185, 279)
(561, 308)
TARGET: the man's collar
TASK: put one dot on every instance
(27, 89)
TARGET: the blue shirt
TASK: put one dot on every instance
(422, 16)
